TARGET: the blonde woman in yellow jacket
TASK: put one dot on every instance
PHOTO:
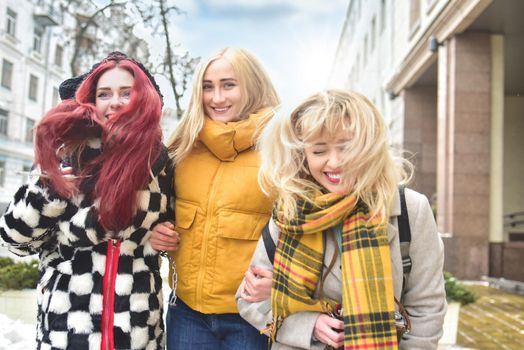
(220, 209)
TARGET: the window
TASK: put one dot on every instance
(414, 14)
(373, 33)
(33, 87)
(2, 173)
(357, 66)
(382, 15)
(7, 74)
(4, 121)
(11, 22)
(59, 54)
(26, 171)
(38, 34)
(55, 96)
(365, 51)
(29, 126)
(430, 4)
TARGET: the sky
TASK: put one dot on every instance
(295, 40)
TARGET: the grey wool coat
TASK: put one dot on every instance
(424, 296)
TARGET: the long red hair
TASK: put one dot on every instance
(131, 142)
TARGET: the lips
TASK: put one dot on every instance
(334, 178)
(221, 109)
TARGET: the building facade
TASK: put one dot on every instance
(448, 78)
(33, 63)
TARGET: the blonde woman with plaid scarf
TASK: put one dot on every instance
(335, 227)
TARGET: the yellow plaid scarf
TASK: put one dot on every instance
(367, 290)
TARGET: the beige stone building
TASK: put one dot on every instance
(449, 80)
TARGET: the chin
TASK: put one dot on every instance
(334, 188)
(223, 118)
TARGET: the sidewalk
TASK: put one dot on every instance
(494, 321)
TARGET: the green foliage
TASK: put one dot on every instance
(456, 291)
(5, 261)
(18, 275)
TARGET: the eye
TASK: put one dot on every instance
(318, 150)
(229, 85)
(207, 87)
(126, 94)
(103, 95)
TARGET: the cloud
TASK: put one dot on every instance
(270, 8)
(294, 39)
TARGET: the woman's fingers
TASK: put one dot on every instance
(164, 237)
(258, 285)
(329, 330)
(262, 272)
(67, 172)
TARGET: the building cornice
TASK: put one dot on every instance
(16, 149)
(455, 17)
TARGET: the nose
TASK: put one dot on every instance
(116, 101)
(335, 159)
(218, 96)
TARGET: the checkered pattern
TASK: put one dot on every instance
(72, 265)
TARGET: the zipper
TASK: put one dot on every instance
(202, 270)
(108, 312)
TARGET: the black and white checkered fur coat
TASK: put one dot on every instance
(72, 246)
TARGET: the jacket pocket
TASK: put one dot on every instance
(185, 256)
(237, 237)
(238, 225)
(185, 214)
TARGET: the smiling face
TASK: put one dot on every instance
(113, 91)
(222, 97)
(324, 154)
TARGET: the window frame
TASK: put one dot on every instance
(59, 58)
(28, 137)
(4, 121)
(2, 172)
(10, 26)
(6, 80)
(33, 88)
(38, 38)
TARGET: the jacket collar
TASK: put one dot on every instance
(227, 140)
(395, 205)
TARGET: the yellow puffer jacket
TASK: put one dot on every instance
(220, 212)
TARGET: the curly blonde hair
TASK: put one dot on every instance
(370, 170)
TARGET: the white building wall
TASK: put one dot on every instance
(15, 151)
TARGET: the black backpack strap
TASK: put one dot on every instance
(404, 232)
(268, 243)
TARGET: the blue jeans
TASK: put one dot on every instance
(189, 329)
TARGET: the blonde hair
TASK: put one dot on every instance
(257, 92)
(371, 172)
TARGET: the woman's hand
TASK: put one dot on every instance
(164, 237)
(257, 285)
(329, 331)
(67, 172)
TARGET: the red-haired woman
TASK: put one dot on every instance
(100, 285)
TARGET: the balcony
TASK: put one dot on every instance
(46, 15)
